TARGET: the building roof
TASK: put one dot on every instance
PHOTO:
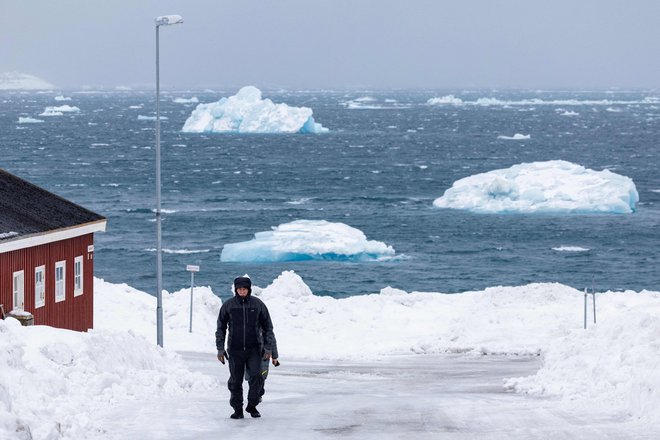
(27, 210)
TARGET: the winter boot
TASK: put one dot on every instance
(238, 413)
(253, 411)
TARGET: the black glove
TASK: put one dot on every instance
(222, 355)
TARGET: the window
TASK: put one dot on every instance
(39, 286)
(78, 276)
(19, 291)
(60, 285)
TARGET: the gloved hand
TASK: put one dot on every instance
(222, 355)
(276, 362)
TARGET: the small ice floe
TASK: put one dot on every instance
(570, 249)
(247, 112)
(192, 100)
(59, 110)
(304, 240)
(62, 98)
(181, 251)
(445, 100)
(613, 110)
(150, 118)
(136, 106)
(28, 120)
(568, 113)
(515, 137)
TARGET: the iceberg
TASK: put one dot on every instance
(247, 112)
(304, 240)
(554, 186)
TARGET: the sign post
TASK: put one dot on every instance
(192, 269)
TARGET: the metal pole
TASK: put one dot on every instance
(593, 297)
(585, 308)
(159, 255)
(192, 283)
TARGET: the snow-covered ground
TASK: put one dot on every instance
(387, 365)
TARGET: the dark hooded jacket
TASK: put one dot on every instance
(248, 322)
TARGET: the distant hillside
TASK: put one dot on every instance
(22, 81)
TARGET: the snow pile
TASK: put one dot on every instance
(515, 137)
(303, 240)
(247, 112)
(28, 120)
(119, 307)
(53, 381)
(554, 186)
(59, 110)
(445, 100)
(615, 363)
(22, 81)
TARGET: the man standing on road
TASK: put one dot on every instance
(250, 340)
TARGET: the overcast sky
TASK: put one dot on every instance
(300, 44)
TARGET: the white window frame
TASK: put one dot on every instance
(78, 276)
(18, 291)
(40, 288)
(60, 285)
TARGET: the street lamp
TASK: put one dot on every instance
(164, 20)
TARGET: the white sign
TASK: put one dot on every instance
(192, 268)
(90, 248)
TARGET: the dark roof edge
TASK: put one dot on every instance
(50, 193)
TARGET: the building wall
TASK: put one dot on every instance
(75, 312)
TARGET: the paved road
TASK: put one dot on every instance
(411, 397)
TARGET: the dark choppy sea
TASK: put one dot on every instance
(387, 156)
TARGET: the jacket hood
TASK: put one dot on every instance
(243, 282)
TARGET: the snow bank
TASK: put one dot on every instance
(22, 81)
(303, 240)
(119, 307)
(554, 186)
(615, 363)
(53, 381)
(247, 112)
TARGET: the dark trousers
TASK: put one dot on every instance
(245, 362)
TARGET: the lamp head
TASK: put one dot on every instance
(166, 20)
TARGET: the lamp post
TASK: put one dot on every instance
(164, 20)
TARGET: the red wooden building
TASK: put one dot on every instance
(46, 255)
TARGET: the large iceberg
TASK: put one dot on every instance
(554, 186)
(247, 112)
(303, 240)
